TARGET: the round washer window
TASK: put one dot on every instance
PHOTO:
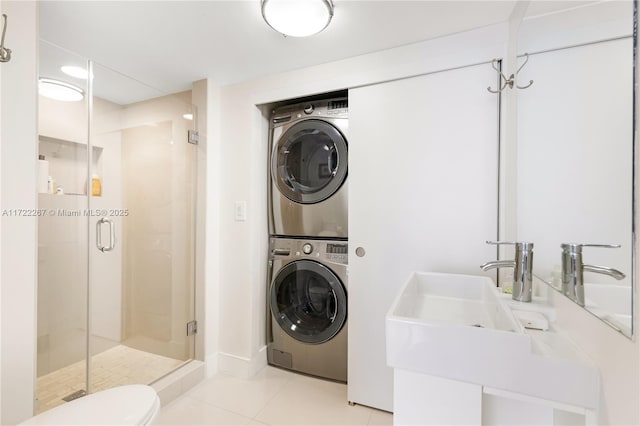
(308, 301)
(309, 162)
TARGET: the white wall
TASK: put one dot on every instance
(1, 9)
(18, 141)
(206, 98)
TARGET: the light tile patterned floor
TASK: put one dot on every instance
(273, 397)
(119, 365)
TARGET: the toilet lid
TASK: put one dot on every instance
(122, 405)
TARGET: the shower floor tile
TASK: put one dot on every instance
(120, 365)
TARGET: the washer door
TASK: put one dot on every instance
(309, 161)
(308, 301)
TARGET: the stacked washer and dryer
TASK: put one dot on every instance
(307, 284)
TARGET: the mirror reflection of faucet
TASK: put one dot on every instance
(573, 269)
(522, 269)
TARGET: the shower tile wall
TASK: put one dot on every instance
(148, 264)
(158, 165)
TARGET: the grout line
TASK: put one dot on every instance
(370, 417)
(275, 394)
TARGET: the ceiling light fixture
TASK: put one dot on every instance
(76, 72)
(297, 18)
(59, 90)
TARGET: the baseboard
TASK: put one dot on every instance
(259, 361)
(211, 365)
(180, 381)
(240, 366)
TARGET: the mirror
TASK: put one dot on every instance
(575, 150)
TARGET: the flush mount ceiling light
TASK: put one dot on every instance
(297, 18)
(59, 90)
(76, 72)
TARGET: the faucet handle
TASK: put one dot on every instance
(571, 248)
(521, 245)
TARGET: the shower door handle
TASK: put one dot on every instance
(112, 235)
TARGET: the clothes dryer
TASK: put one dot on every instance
(307, 306)
(308, 166)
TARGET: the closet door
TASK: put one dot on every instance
(423, 196)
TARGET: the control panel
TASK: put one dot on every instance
(337, 252)
(333, 251)
(331, 108)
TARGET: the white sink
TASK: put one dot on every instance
(449, 299)
(459, 327)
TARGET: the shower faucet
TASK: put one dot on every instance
(522, 269)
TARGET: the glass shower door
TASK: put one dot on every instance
(62, 230)
(141, 190)
(116, 219)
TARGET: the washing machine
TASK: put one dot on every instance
(307, 306)
(308, 165)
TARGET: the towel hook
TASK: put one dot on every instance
(5, 54)
(512, 78)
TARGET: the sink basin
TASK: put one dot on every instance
(452, 325)
(459, 327)
(450, 299)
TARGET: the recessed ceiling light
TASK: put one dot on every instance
(76, 72)
(297, 18)
(59, 90)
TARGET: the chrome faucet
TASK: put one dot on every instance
(573, 268)
(522, 269)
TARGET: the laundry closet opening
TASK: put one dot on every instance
(307, 286)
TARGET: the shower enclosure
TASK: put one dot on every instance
(116, 230)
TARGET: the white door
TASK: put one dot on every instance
(423, 196)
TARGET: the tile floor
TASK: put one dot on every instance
(272, 397)
(119, 365)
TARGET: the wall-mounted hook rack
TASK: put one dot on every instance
(5, 54)
(511, 81)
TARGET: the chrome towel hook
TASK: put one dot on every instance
(5, 54)
(512, 78)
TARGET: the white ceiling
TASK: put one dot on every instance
(170, 44)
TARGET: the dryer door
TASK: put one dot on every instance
(309, 161)
(308, 301)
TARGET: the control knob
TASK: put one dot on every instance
(308, 109)
(307, 248)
